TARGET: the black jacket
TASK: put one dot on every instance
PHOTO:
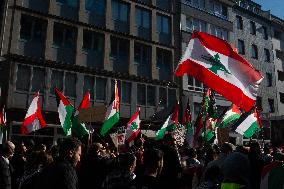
(59, 175)
(5, 174)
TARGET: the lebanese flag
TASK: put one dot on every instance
(230, 116)
(272, 176)
(65, 111)
(78, 128)
(112, 114)
(212, 61)
(249, 125)
(33, 120)
(170, 124)
(133, 127)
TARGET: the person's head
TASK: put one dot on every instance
(39, 159)
(254, 148)
(8, 149)
(127, 161)
(70, 149)
(227, 148)
(98, 149)
(191, 153)
(153, 161)
(20, 148)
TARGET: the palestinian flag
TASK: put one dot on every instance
(210, 129)
(213, 62)
(112, 114)
(230, 116)
(188, 125)
(65, 111)
(133, 127)
(79, 129)
(170, 124)
(272, 176)
(33, 120)
(250, 125)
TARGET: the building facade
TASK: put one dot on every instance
(86, 45)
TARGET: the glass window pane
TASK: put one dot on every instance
(38, 30)
(195, 24)
(126, 92)
(58, 34)
(202, 26)
(162, 96)
(151, 96)
(70, 85)
(141, 94)
(72, 3)
(124, 12)
(100, 7)
(70, 39)
(172, 97)
(190, 80)
(87, 39)
(159, 24)
(166, 25)
(189, 26)
(26, 27)
(146, 19)
(138, 17)
(38, 80)
(101, 88)
(89, 85)
(98, 42)
(56, 81)
(23, 78)
(114, 10)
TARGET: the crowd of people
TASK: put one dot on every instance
(147, 164)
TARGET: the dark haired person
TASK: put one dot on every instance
(6, 169)
(61, 173)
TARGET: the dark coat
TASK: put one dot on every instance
(5, 174)
(59, 175)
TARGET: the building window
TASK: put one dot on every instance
(95, 6)
(241, 47)
(143, 22)
(141, 94)
(93, 41)
(164, 4)
(259, 102)
(89, 86)
(38, 80)
(277, 34)
(151, 95)
(119, 54)
(164, 29)
(163, 97)
(70, 85)
(56, 81)
(219, 32)
(142, 54)
(252, 28)
(32, 28)
(265, 34)
(239, 22)
(279, 54)
(269, 79)
(23, 78)
(254, 52)
(172, 97)
(164, 63)
(101, 89)
(120, 11)
(196, 3)
(271, 105)
(281, 97)
(72, 3)
(218, 9)
(267, 55)
(125, 92)
(64, 36)
(195, 24)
